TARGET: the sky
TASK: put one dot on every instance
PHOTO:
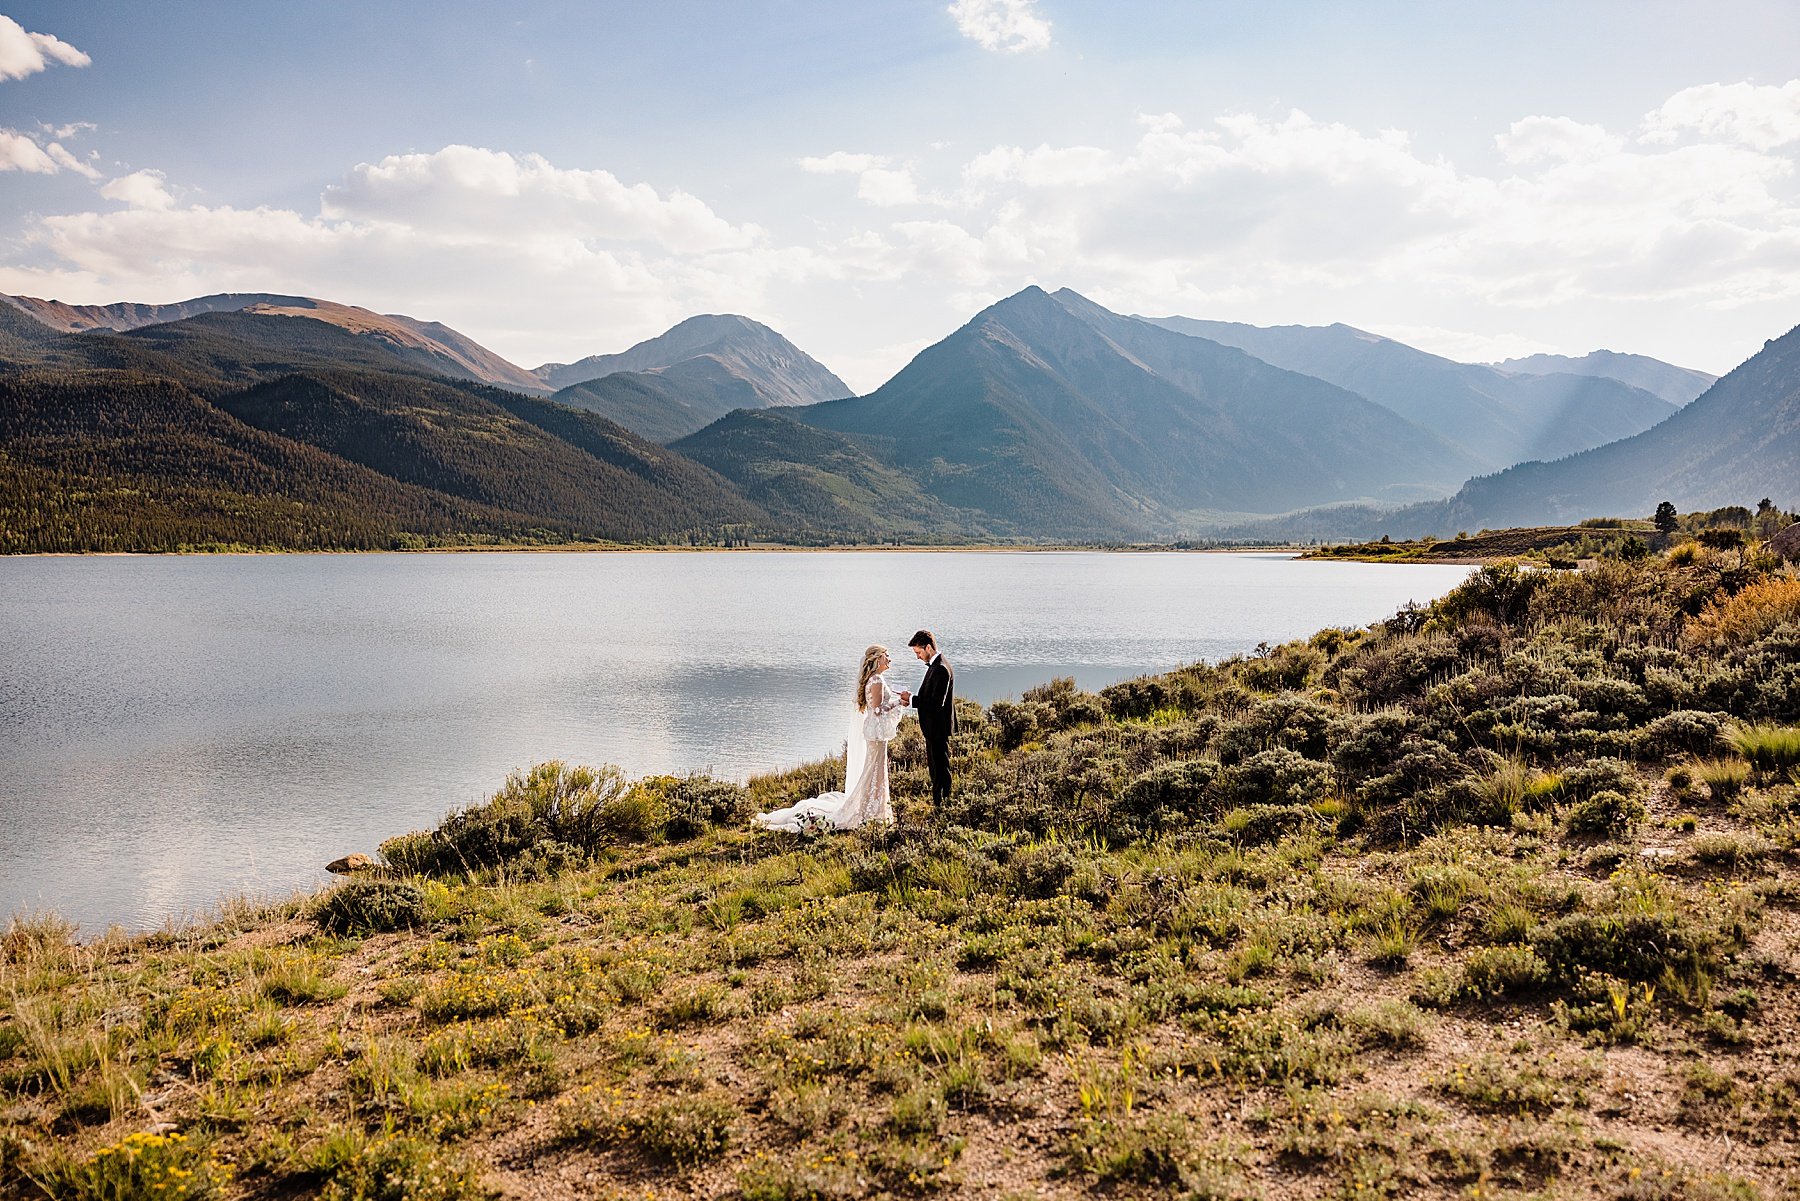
(557, 180)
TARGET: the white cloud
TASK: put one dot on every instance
(20, 153)
(879, 181)
(882, 186)
(1006, 26)
(1761, 118)
(140, 190)
(1556, 139)
(466, 191)
(542, 262)
(1252, 216)
(68, 162)
(1250, 206)
(842, 162)
(23, 53)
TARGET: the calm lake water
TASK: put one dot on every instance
(174, 730)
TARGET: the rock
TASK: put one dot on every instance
(1787, 543)
(351, 863)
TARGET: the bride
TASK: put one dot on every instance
(865, 796)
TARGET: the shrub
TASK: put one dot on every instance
(1172, 796)
(1605, 812)
(692, 805)
(395, 1168)
(552, 811)
(1507, 971)
(1046, 709)
(370, 907)
(1278, 776)
(1753, 613)
(1516, 787)
(142, 1165)
(1255, 825)
(1289, 720)
(1183, 690)
(1039, 870)
(1501, 591)
(1601, 775)
(685, 1130)
(1639, 947)
(1392, 669)
(1691, 730)
(1286, 667)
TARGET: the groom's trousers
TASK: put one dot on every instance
(937, 762)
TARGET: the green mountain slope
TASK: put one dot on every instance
(1495, 417)
(113, 462)
(817, 480)
(657, 405)
(495, 449)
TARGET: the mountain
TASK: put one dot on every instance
(426, 344)
(1055, 417)
(112, 462)
(1497, 418)
(1677, 385)
(739, 349)
(570, 469)
(1737, 442)
(664, 405)
(813, 479)
(254, 428)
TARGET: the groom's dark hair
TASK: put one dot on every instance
(923, 638)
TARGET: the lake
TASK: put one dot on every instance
(175, 730)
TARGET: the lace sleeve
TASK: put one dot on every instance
(881, 717)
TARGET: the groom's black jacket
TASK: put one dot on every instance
(936, 701)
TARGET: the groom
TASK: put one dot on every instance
(936, 703)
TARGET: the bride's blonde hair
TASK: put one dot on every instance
(870, 658)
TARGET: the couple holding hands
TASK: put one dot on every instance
(879, 708)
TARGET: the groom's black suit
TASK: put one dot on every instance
(936, 702)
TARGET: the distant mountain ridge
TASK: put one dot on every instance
(1497, 418)
(430, 344)
(1677, 385)
(1053, 416)
(269, 420)
(1737, 442)
(778, 371)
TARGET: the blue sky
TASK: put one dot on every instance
(558, 180)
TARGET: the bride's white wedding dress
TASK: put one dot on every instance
(865, 797)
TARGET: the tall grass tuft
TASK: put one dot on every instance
(1768, 746)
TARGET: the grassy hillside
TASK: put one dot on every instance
(1492, 899)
